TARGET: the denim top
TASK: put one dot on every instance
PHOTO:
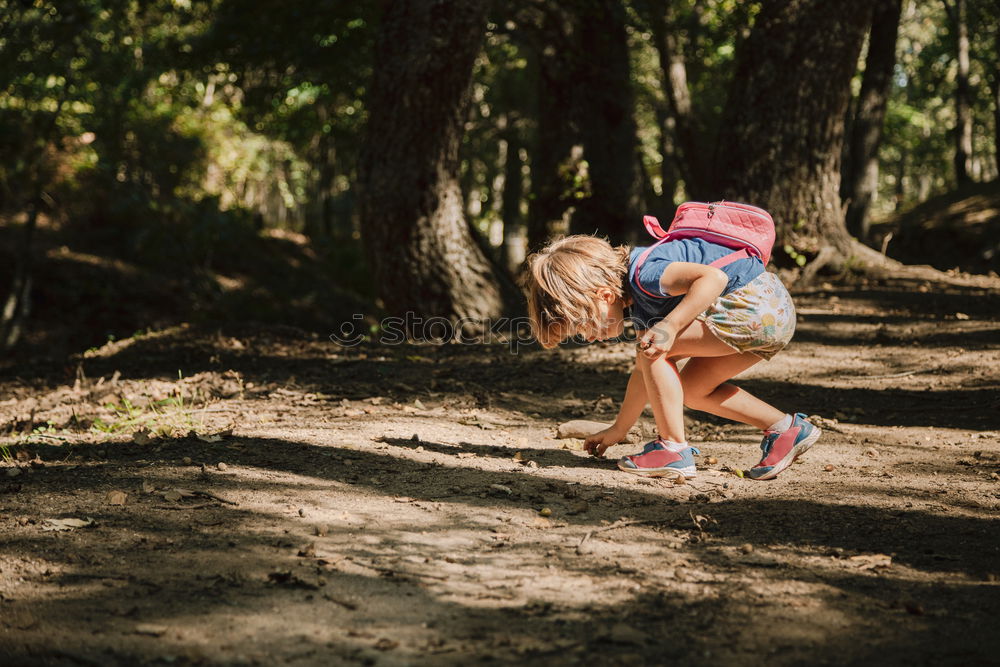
(647, 310)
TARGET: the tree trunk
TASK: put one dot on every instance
(551, 152)
(963, 104)
(861, 166)
(994, 77)
(17, 307)
(607, 123)
(423, 255)
(675, 89)
(511, 252)
(783, 130)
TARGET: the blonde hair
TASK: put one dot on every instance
(561, 282)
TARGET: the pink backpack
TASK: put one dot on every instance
(747, 229)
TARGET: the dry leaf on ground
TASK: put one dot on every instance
(116, 497)
(66, 524)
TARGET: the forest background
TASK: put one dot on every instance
(181, 161)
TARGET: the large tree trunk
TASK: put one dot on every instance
(552, 46)
(675, 89)
(861, 166)
(607, 123)
(783, 130)
(416, 237)
(963, 105)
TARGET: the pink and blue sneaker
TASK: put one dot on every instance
(657, 460)
(781, 449)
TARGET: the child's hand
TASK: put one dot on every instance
(598, 443)
(657, 341)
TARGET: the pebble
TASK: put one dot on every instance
(302, 512)
(545, 511)
(186, 460)
(221, 466)
(746, 548)
(828, 468)
(13, 472)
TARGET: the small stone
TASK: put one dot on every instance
(746, 548)
(302, 512)
(532, 464)
(322, 530)
(828, 468)
(13, 472)
(415, 437)
(711, 460)
(186, 460)
(221, 466)
(545, 511)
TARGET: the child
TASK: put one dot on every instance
(722, 320)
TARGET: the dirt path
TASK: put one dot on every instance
(298, 503)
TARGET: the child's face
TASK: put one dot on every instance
(610, 320)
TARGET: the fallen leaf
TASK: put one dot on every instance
(151, 630)
(116, 497)
(210, 438)
(147, 487)
(67, 524)
(961, 316)
(501, 487)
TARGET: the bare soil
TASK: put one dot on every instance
(261, 496)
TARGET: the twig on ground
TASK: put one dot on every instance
(184, 507)
(392, 572)
(890, 375)
(619, 524)
(209, 494)
(343, 603)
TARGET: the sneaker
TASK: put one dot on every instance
(656, 460)
(781, 449)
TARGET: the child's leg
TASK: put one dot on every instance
(666, 389)
(701, 384)
(665, 395)
(705, 388)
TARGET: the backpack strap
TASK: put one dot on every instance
(736, 256)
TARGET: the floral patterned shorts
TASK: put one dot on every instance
(758, 317)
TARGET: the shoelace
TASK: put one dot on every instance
(768, 441)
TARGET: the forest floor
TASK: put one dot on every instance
(262, 496)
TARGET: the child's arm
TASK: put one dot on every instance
(632, 406)
(700, 285)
